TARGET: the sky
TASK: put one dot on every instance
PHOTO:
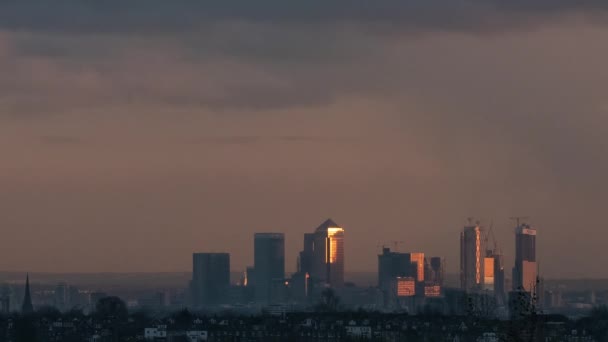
(134, 133)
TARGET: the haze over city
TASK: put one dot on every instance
(134, 134)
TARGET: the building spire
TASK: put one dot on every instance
(27, 307)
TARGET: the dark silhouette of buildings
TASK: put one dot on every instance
(5, 300)
(392, 265)
(435, 273)
(325, 255)
(269, 263)
(27, 307)
(210, 278)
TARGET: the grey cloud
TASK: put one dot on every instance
(156, 16)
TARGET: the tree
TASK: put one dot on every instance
(111, 308)
(329, 301)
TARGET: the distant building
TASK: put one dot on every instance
(210, 278)
(269, 263)
(488, 272)
(406, 286)
(323, 254)
(471, 259)
(417, 260)
(62, 296)
(305, 260)
(5, 300)
(525, 269)
(436, 271)
(498, 270)
(392, 265)
(27, 307)
(432, 290)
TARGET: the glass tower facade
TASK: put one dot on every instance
(472, 256)
(269, 263)
(210, 278)
(525, 270)
(328, 254)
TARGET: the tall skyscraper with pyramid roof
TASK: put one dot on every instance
(27, 306)
(323, 254)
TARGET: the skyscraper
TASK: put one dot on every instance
(210, 278)
(471, 258)
(5, 299)
(269, 262)
(390, 266)
(435, 275)
(305, 260)
(417, 260)
(27, 307)
(62, 296)
(499, 277)
(525, 270)
(323, 255)
(488, 271)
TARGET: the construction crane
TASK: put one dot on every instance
(490, 233)
(519, 219)
(396, 244)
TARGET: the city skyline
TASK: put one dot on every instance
(142, 132)
(397, 246)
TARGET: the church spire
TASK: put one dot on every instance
(27, 307)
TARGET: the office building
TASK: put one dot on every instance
(525, 269)
(488, 272)
(405, 286)
(390, 266)
(62, 297)
(471, 259)
(210, 278)
(417, 260)
(494, 274)
(5, 300)
(435, 271)
(323, 255)
(269, 263)
(432, 290)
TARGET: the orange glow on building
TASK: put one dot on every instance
(406, 286)
(529, 275)
(488, 273)
(334, 235)
(432, 291)
(478, 256)
(418, 258)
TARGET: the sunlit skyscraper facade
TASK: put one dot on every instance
(417, 260)
(525, 269)
(326, 254)
(472, 255)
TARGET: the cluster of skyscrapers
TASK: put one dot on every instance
(402, 276)
(482, 266)
(320, 265)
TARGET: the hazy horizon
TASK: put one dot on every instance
(135, 134)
